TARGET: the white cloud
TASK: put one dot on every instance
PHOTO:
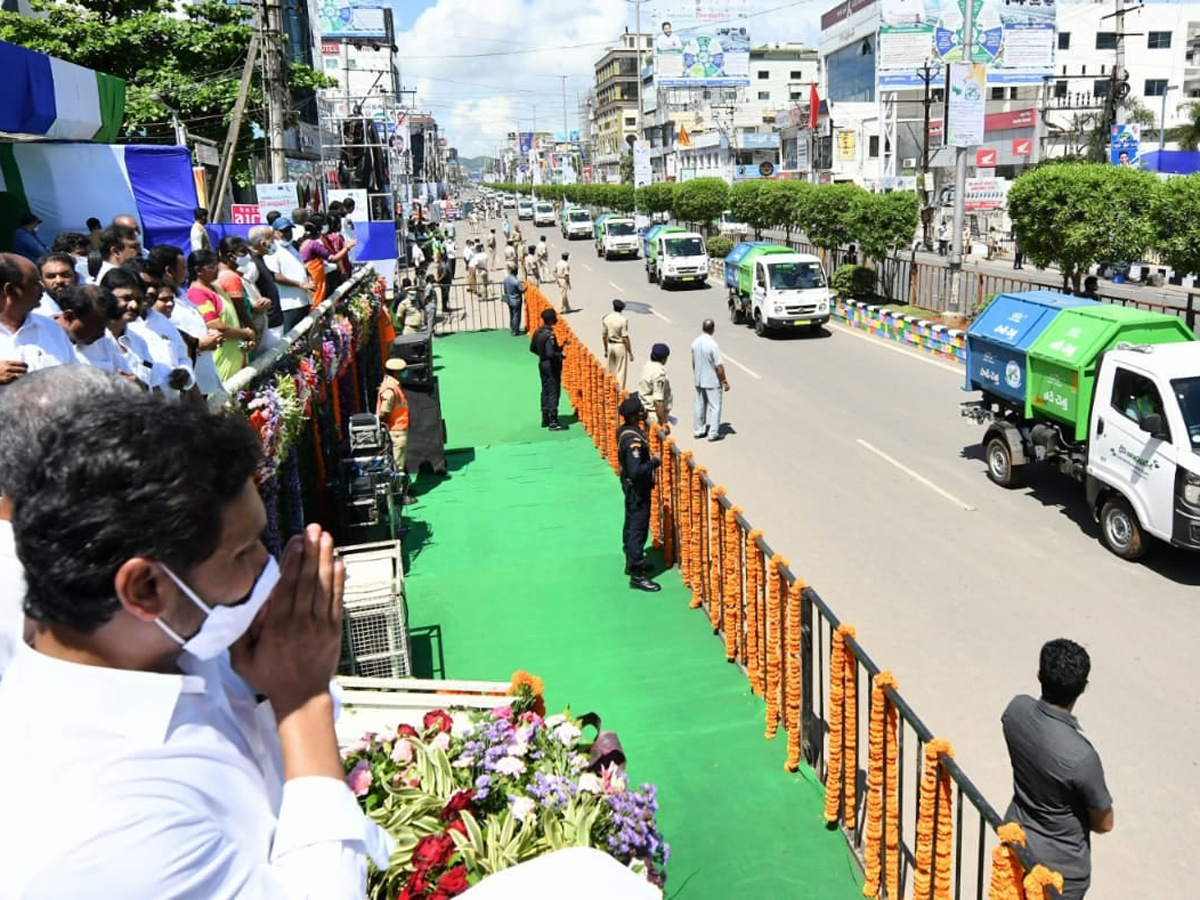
(479, 99)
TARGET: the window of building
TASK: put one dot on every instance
(763, 75)
(938, 95)
(1012, 93)
(1159, 40)
(1060, 89)
(1064, 40)
(997, 93)
(794, 95)
(873, 146)
(764, 95)
(631, 121)
(796, 75)
(1100, 88)
(1106, 40)
(1155, 87)
(851, 74)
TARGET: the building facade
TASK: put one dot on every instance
(615, 112)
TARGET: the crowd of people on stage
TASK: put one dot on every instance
(180, 324)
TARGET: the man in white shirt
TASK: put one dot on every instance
(479, 265)
(167, 262)
(57, 271)
(163, 340)
(86, 312)
(348, 230)
(126, 286)
(143, 565)
(198, 238)
(295, 286)
(117, 244)
(28, 341)
(26, 410)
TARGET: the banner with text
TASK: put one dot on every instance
(1014, 39)
(702, 44)
(966, 105)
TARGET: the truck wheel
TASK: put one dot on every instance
(735, 314)
(999, 462)
(1120, 529)
(662, 283)
(760, 327)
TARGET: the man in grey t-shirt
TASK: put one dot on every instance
(1059, 794)
(708, 371)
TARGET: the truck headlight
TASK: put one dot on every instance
(824, 307)
(1191, 488)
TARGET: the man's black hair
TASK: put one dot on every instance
(198, 212)
(272, 216)
(92, 223)
(118, 481)
(162, 259)
(10, 271)
(113, 238)
(72, 242)
(232, 245)
(120, 277)
(1063, 670)
(82, 299)
(56, 256)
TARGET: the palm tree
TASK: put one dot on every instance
(1188, 136)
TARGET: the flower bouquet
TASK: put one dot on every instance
(474, 792)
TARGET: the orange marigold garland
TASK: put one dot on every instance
(834, 779)
(668, 505)
(772, 625)
(731, 582)
(1007, 871)
(850, 733)
(713, 594)
(792, 675)
(932, 863)
(1040, 878)
(754, 584)
(684, 490)
(882, 848)
(656, 490)
(699, 542)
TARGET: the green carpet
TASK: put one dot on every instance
(515, 563)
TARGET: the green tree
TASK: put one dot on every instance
(1073, 216)
(748, 203)
(190, 62)
(621, 198)
(701, 200)
(1175, 213)
(881, 224)
(824, 214)
(626, 168)
(789, 199)
(1188, 134)
(656, 198)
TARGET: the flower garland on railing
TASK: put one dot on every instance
(838, 773)
(933, 857)
(713, 594)
(731, 583)
(754, 585)
(698, 539)
(1007, 871)
(792, 676)
(771, 636)
(656, 495)
(686, 533)
(883, 792)
(1040, 878)
(668, 492)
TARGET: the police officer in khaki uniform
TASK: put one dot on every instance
(409, 314)
(654, 387)
(562, 276)
(617, 352)
(391, 408)
(543, 260)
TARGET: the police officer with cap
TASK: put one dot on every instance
(391, 408)
(655, 388)
(615, 336)
(637, 480)
(546, 348)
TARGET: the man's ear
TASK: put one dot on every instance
(143, 588)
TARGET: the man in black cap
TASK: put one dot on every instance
(550, 360)
(637, 480)
(655, 388)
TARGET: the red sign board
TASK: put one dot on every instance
(985, 159)
(1021, 118)
(1022, 147)
(329, 48)
(244, 214)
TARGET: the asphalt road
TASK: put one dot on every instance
(851, 455)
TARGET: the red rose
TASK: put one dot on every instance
(457, 825)
(417, 885)
(460, 801)
(433, 851)
(437, 721)
(407, 731)
(454, 882)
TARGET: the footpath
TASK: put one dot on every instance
(514, 561)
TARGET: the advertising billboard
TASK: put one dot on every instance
(702, 44)
(1015, 39)
(1123, 145)
(350, 20)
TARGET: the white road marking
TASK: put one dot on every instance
(617, 287)
(897, 348)
(729, 358)
(913, 475)
(586, 266)
(661, 316)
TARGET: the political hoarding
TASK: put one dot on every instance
(641, 164)
(351, 20)
(280, 196)
(1123, 145)
(1015, 39)
(525, 140)
(702, 44)
(982, 194)
(966, 105)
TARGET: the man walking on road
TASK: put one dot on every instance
(654, 387)
(562, 275)
(708, 371)
(491, 249)
(543, 260)
(1059, 794)
(615, 337)
(550, 359)
(531, 266)
(637, 481)
(514, 295)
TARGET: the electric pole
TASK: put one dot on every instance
(225, 170)
(928, 73)
(1119, 65)
(275, 86)
(960, 174)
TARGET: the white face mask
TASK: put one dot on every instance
(246, 266)
(222, 625)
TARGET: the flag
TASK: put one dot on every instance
(685, 139)
(814, 107)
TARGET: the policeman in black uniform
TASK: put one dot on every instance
(637, 479)
(550, 361)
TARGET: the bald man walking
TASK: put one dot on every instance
(708, 371)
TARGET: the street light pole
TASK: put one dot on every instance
(960, 177)
(928, 73)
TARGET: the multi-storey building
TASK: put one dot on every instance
(614, 114)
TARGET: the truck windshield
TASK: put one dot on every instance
(578, 216)
(620, 229)
(1187, 393)
(685, 247)
(796, 276)
(545, 207)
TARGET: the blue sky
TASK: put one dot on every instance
(486, 67)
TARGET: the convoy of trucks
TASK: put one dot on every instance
(675, 255)
(773, 287)
(524, 208)
(1108, 395)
